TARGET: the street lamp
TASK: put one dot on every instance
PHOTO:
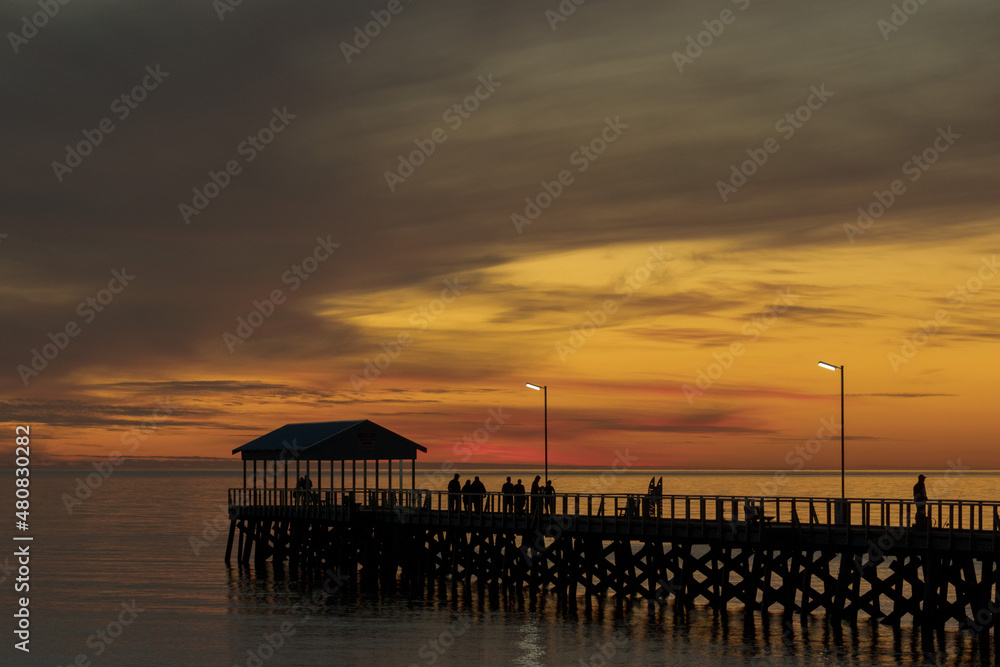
(841, 369)
(545, 393)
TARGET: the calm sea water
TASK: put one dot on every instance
(119, 582)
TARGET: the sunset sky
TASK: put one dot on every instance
(582, 209)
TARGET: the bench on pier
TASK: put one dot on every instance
(754, 513)
(629, 510)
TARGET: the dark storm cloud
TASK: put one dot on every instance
(92, 414)
(324, 173)
(681, 425)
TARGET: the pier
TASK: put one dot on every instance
(797, 555)
(685, 549)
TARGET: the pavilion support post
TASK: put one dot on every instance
(307, 472)
(255, 473)
(244, 473)
(298, 473)
(354, 474)
(389, 471)
(319, 476)
(286, 474)
(365, 471)
(376, 475)
(343, 464)
(400, 474)
(413, 473)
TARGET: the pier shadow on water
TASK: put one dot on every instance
(598, 630)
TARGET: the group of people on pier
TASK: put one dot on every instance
(514, 499)
(303, 491)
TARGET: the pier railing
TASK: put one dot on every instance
(633, 509)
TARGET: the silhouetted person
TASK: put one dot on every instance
(647, 502)
(467, 495)
(508, 496)
(920, 498)
(536, 493)
(658, 495)
(454, 495)
(550, 497)
(519, 498)
(478, 494)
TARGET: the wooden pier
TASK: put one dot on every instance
(796, 555)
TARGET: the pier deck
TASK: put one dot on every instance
(794, 552)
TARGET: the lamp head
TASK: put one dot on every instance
(827, 366)
(532, 386)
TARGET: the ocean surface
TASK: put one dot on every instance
(134, 575)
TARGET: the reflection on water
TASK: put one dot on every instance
(513, 627)
(133, 540)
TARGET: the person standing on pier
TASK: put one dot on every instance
(519, 497)
(467, 495)
(658, 493)
(508, 496)
(550, 497)
(478, 494)
(455, 495)
(920, 498)
(536, 495)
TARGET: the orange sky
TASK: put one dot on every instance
(712, 310)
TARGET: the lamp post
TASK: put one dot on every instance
(841, 369)
(545, 394)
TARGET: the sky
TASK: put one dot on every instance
(221, 218)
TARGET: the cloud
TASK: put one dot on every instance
(324, 175)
